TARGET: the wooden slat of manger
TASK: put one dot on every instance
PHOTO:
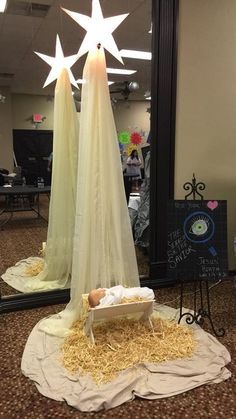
(108, 312)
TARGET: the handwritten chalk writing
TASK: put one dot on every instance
(174, 234)
(178, 248)
(180, 242)
(193, 205)
(187, 204)
(210, 271)
(205, 261)
(179, 204)
(196, 239)
(174, 259)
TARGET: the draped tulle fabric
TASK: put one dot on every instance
(59, 247)
(103, 251)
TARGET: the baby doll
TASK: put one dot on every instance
(114, 295)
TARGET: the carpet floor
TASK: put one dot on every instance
(19, 398)
(22, 237)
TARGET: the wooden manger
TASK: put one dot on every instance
(109, 312)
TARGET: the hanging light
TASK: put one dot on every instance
(2, 98)
(133, 86)
(3, 4)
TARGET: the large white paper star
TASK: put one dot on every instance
(99, 30)
(58, 63)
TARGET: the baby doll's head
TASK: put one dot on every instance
(95, 296)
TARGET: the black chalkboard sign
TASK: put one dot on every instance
(197, 240)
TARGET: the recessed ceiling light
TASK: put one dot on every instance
(3, 4)
(81, 81)
(120, 71)
(142, 55)
(148, 98)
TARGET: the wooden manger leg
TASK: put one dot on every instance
(151, 324)
(147, 315)
(88, 330)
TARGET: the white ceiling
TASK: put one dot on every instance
(21, 35)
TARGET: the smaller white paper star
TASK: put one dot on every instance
(58, 63)
(99, 30)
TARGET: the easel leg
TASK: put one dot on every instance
(199, 315)
(207, 313)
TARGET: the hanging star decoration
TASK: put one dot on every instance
(99, 30)
(57, 63)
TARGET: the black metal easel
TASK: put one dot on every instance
(199, 314)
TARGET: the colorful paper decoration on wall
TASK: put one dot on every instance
(130, 147)
(124, 137)
(135, 138)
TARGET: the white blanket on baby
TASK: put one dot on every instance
(115, 294)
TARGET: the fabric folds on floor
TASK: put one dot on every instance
(41, 362)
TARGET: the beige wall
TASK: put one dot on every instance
(24, 106)
(19, 109)
(128, 115)
(206, 102)
(6, 148)
(132, 115)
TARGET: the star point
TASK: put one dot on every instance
(99, 30)
(57, 63)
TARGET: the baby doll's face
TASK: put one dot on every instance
(95, 296)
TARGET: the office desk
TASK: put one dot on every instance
(21, 198)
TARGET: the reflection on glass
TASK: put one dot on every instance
(23, 236)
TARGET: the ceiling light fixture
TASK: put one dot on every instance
(142, 55)
(81, 81)
(3, 4)
(147, 95)
(2, 98)
(120, 71)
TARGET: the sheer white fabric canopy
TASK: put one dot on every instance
(103, 251)
(59, 247)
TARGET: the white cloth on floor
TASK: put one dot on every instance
(115, 294)
(41, 363)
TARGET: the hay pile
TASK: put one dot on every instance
(123, 343)
(43, 250)
(35, 269)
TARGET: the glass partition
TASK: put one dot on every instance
(141, 103)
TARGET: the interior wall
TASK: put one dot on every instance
(206, 103)
(132, 115)
(6, 141)
(24, 106)
(128, 115)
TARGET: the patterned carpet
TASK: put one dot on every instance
(22, 237)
